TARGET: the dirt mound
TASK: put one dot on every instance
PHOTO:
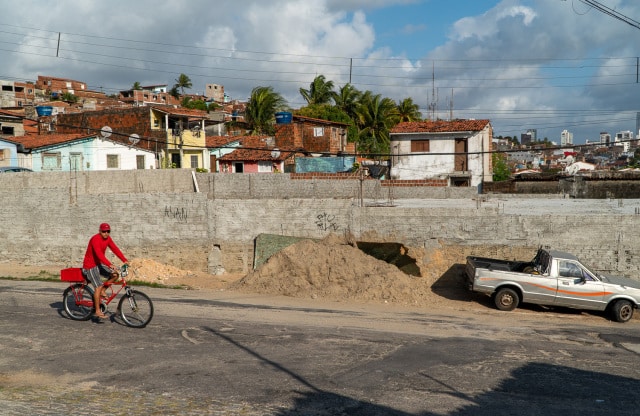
(334, 270)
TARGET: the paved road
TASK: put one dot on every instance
(223, 353)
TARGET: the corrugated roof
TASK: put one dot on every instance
(439, 126)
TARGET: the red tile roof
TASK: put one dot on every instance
(181, 111)
(439, 126)
(251, 150)
(34, 141)
(218, 141)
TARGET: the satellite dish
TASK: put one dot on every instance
(134, 139)
(106, 132)
(275, 153)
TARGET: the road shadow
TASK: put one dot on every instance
(531, 389)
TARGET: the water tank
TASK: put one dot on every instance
(44, 110)
(283, 117)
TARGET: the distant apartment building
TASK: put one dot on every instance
(16, 94)
(58, 86)
(150, 94)
(605, 138)
(215, 92)
(566, 138)
(625, 138)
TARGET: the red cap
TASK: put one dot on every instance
(105, 227)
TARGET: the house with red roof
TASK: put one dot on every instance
(255, 154)
(457, 150)
(75, 152)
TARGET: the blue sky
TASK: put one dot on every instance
(547, 65)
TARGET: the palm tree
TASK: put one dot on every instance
(174, 92)
(136, 86)
(347, 99)
(320, 91)
(407, 110)
(183, 82)
(375, 118)
(261, 109)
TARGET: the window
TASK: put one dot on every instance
(7, 88)
(113, 161)
(264, 166)
(318, 131)
(194, 161)
(7, 130)
(51, 161)
(419, 146)
(140, 162)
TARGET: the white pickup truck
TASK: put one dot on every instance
(552, 278)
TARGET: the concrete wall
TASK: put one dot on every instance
(47, 218)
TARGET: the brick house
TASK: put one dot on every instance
(314, 136)
(151, 94)
(457, 150)
(175, 135)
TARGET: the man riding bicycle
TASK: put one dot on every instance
(96, 263)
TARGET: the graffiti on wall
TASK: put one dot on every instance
(327, 222)
(178, 214)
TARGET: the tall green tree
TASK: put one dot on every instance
(375, 117)
(136, 86)
(261, 109)
(183, 82)
(320, 91)
(346, 99)
(407, 110)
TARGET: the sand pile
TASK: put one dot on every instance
(334, 270)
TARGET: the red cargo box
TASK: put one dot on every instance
(73, 274)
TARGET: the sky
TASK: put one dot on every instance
(548, 65)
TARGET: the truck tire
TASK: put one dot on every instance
(506, 299)
(622, 311)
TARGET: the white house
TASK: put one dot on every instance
(457, 150)
(67, 152)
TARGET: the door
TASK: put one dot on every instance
(577, 288)
(75, 161)
(461, 161)
(175, 160)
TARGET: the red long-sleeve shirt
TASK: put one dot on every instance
(97, 248)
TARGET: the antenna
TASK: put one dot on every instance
(134, 139)
(105, 132)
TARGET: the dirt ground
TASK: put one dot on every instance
(331, 269)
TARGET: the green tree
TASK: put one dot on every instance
(69, 98)
(261, 109)
(346, 99)
(174, 91)
(407, 110)
(320, 91)
(136, 86)
(501, 170)
(183, 82)
(374, 120)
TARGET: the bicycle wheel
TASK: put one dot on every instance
(78, 302)
(136, 309)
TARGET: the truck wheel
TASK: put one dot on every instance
(506, 299)
(622, 311)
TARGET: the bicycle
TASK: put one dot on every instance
(135, 308)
